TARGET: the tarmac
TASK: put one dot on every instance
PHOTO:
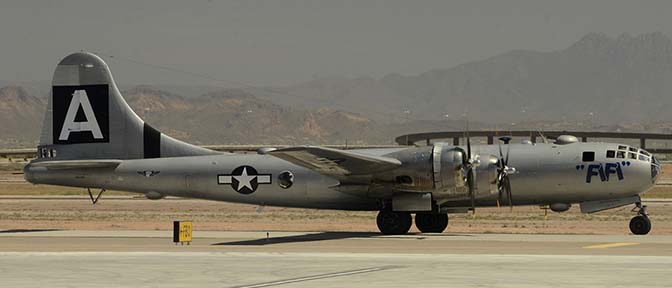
(74, 258)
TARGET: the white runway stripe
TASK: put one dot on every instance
(316, 277)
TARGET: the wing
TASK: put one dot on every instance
(335, 162)
(77, 164)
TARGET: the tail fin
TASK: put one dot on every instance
(87, 118)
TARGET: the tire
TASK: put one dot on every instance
(431, 223)
(394, 223)
(640, 225)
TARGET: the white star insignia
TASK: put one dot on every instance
(244, 180)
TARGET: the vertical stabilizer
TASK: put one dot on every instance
(87, 118)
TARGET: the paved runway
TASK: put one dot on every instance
(293, 259)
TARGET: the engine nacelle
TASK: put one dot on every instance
(450, 175)
(447, 170)
(439, 169)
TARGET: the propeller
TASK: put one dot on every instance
(469, 163)
(503, 172)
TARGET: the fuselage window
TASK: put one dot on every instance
(620, 154)
(632, 155)
(588, 156)
(285, 179)
(611, 153)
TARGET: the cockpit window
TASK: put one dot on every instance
(633, 149)
(622, 147)
(620, 154)
(611, 153)
(632, 155)
(645, 153)
(588, 156)
(643, 158)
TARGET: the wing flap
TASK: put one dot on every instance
(77, 164)
(335, 162)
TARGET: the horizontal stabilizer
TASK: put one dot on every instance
(335, 162)
(77, 164)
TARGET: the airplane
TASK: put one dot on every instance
(91, 138)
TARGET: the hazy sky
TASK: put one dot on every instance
(281, 42)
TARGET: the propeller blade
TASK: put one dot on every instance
(501, 155)
(508, 150)
(468, 140)
(499, 195)
(468, 147)
(509, 195)
(506, 140)
(470, 183)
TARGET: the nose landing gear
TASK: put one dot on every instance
(640, 224)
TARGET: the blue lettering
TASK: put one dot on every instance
(591, 172)
(603, 177)
(610, 168)
(604, 171)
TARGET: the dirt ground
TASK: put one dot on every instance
(125, 213)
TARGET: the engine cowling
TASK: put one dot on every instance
(439, 169)
(449, 172)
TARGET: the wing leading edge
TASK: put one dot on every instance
(335, 162)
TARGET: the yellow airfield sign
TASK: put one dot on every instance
(182, 231)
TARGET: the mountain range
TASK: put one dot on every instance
(599, 82)
(598, 79)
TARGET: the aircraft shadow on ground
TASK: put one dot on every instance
(300, 238)
(27, 230)
(322, 237)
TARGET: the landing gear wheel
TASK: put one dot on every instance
(394, 223)
(640, 225)
(431, 223)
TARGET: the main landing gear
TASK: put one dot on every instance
(640, 224)
(398, 223)
(431, 223)
(393, 223)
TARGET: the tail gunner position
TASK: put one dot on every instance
(92, 139)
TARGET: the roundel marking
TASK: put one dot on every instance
(244, 179)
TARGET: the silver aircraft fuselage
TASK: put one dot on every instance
(545, 174)
(108, 146)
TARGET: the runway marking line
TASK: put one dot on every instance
(317, 277)
(611, 245)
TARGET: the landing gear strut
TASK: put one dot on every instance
(640, 224)
(431, 223)
(394, 223)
